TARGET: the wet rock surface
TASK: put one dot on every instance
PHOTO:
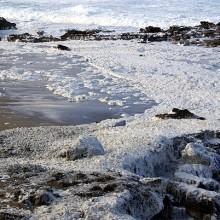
(79, 35)
(62, 47)
(32, 186)
(179, 114)
(5, 25)
(29, 38)
(52, 189)
(206, 34)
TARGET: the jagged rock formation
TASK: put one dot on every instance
(36, 183)
(5, 25)
(29, 38)
(179, 114)
(206, 34)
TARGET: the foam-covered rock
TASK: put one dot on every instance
(198, 154)
(198, 202)
(198, 170)
(84, 146)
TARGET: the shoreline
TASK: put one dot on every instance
(206, 34)
(153, 165)
(10, 119)
(31, 104)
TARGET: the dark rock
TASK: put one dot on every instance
(6, 215)
(79, 35)
(25, 169)
(62, 47)
(5, 25)
(209, 33)
(120, 123)
(28, 38)
(178, 29)
(212, 43)
(40, 33)
(151, 29)
(45, 39)
(18, 37)
(110, 187)
(166, 213)
(65, 180)
(207, 25)
(206, 34)
(179, 114)
(198, 203)
(40, 198)
(129, 36)
(155, 38)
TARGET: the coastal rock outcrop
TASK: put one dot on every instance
(5, 25)
(179, 114)
(85, 195)
(207, 25)
(29, 38)
(35, 184)
(151, 29)
(79, 34)
(206, 34)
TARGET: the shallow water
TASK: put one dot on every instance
(64, 87)
(33, 100)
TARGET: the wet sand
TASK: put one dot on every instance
(30, 104)
(12, 119)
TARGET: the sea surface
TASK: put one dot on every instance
(55, 15)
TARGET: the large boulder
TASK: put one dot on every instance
(5, 25)
(199, 203)
(84, 146)
(62, 47)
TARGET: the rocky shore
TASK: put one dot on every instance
(158, 165)
(77, 173)
(205, 34)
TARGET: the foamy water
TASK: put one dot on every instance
(54, 14)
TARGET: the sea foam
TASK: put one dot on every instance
(32, 14)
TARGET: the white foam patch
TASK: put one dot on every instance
(114, 73)
(69, 75)
(172, 75)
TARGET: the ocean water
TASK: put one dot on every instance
(119, 14)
